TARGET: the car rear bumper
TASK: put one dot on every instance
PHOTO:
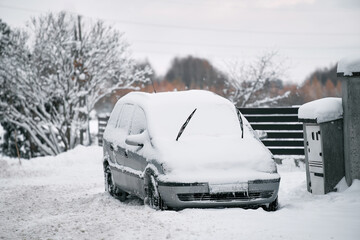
(198, 195)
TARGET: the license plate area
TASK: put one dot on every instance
(228, 187)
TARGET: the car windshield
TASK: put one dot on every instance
(210, 120)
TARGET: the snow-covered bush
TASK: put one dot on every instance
(52, 77)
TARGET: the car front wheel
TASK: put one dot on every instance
(153, 197)
(273, 206)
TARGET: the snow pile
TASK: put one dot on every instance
(81, 158)
(349, 65)
(322, 110)
(342, 185)
(63, 197)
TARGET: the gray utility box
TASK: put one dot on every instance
(324, 144)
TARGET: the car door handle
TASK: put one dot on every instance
(111, 147)
(126, 153)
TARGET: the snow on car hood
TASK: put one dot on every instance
(215, 159)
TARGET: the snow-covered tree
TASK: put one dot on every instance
(246, 81)
(59, 74)
(4, 36)
(15, 72)
(13, 135)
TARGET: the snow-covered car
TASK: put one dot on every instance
(186, 149)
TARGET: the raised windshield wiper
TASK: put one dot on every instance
(185, 124)
(241, 123)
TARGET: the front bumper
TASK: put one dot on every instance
(198, 195)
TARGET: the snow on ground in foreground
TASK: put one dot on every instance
(63, 198)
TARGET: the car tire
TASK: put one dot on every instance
(111, 187)
(153, 198)
(273, 206)
(109, 183)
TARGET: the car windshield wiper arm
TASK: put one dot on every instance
(241, 123)
(185, 124)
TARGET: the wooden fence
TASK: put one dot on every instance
(284, 132)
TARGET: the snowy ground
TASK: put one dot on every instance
(63, 198)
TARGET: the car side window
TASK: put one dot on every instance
(117, 121)
(114, 115)
(138, 124)
(125, 117)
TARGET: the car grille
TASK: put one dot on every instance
(224, 197)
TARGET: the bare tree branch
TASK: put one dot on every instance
(244, 81)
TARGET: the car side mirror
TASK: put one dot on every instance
(137, 140)
(132, 142)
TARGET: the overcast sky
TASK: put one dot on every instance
(310, 34)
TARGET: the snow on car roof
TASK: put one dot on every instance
(147, 100)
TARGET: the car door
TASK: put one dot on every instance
(119, 147)
(135, 162)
